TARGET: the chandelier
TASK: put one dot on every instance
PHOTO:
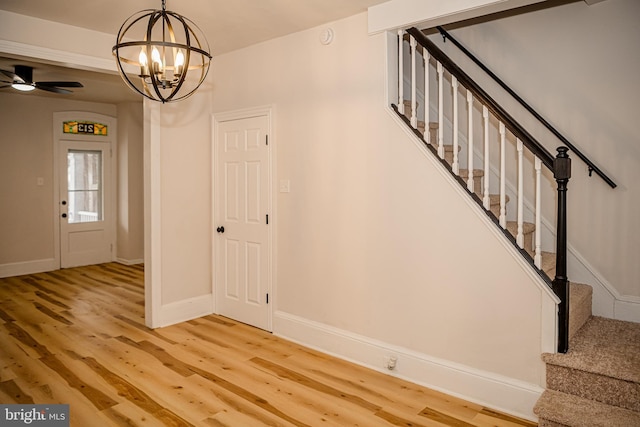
(167, 53)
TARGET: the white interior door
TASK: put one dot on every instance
(86, 220)
(242, 201)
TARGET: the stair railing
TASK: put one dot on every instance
(590, 165)
(424, 54)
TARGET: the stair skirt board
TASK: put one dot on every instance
(494, 391)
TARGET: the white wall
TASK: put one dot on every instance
(178, 214)
(579, 69)
(130, 219)
(377, 252)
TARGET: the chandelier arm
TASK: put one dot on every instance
(154, 78)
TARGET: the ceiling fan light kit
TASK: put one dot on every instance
(24, 87)
(162, 55)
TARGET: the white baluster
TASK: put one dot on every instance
(401, 71)
(503, 178)
(486, 201)
(470, 185)
(455, 167)
(427, 128)
(440, 111)
(414, 100)
(537, 259)
(520, 232)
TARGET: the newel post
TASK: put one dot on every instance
(562, 173)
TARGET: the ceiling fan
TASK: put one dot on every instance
(22, 79)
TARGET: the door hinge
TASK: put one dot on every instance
(267, 219)
(266, 139)
(267, 298)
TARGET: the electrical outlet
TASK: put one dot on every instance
(390, 362)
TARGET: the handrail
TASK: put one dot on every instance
(534, 113)
(524, 136)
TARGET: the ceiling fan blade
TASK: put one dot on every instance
(52, 89)
(3, 86)
(13, 76)
(60, 84)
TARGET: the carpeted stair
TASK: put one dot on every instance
(597, 382)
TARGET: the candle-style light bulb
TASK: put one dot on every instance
(157, 62)
(179, 63)
(142, 59)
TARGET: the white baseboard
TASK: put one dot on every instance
(28, 267)
(129, 261)
(484, 388)
(181, 311)
(627, 309)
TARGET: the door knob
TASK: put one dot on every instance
(64, 215)
(220, 229)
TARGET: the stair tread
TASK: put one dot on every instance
(570, 410)
(527, 227)
(549, 263)
(448, 148)
(477, 173)
(494, 199)
(603, 346)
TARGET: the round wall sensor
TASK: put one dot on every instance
(326, 36)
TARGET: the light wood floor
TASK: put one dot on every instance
(77, 336)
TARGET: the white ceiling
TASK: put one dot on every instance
(227, 24)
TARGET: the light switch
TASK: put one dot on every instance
(285, 186)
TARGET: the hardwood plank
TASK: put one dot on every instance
(78, 336)
(11, 392)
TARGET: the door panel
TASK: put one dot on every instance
(85, 218)
(242, 202)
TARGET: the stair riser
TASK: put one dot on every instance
(611, 391)
(579, 311)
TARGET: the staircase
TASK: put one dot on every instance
(597, 382)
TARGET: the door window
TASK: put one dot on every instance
(85, 187)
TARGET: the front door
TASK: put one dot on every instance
(242, 201)
(84, 146)
(85, 214)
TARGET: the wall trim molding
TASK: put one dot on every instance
(484, 388)
(129, 261)
(28, 267)
(58, 56)
(181, 311)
